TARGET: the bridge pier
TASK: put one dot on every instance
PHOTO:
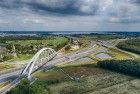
(29, 77)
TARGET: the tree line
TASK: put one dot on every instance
(130, 67)
(132, 45)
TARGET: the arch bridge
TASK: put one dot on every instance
(39, 59)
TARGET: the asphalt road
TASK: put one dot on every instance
(57, 60)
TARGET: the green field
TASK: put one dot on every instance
(119, 55)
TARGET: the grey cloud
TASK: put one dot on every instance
(135, 1)
(30, 12)
(73, 7)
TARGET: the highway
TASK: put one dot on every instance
(93, 48)
(57, 60)
(6, 76)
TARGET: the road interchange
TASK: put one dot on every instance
(93, 48)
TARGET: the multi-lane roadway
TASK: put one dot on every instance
(93, 48)
(57, 60)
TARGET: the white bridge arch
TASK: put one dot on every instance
(39, 59)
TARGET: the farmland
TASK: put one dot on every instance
(87, 80)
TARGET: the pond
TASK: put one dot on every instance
(103, 56)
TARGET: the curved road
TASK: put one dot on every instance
(57, 60)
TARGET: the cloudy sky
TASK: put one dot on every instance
(72, 15)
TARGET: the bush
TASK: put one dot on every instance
(52, 81)
(25, 88)
(7, 57)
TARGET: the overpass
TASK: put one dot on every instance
(39, 59)
(46, 57)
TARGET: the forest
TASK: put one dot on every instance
(22, 47)
(132, 45)
(130, 67)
